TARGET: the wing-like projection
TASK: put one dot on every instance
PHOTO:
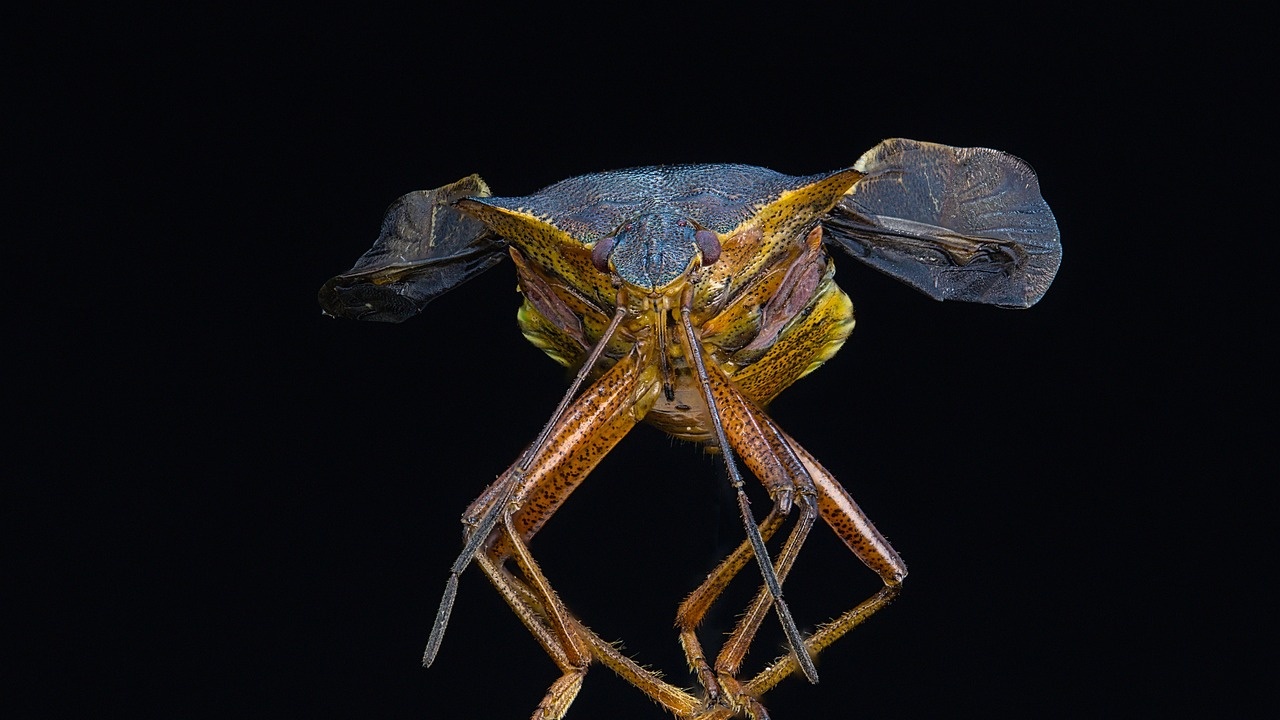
(955, 223)
(426, 248)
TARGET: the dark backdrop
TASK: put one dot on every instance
(225, 504)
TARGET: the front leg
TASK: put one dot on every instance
(586, 431)
(767, 454)
(566, 452)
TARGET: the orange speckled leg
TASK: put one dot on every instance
(851, 525)
(575, 444)
(748, 427)
(761, 446)
(769, 466)
(695, 607)
(523, 600)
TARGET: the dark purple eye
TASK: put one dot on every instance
(600, 254)
(709, 244)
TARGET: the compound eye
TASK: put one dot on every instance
(600, 254)
(709, 245)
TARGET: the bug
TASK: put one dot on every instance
(689, 296)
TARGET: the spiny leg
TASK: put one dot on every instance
(821, 639)
(758, 426)
(553, 609)
(593, 425)
(541, 497)
(545, 615)
(526, 606)
(599, 419)
(547, 482)
(699, 602)
(767, 453)
(517, 592)
(588, 429)
(767, 465)
(579, 433)
(843, 515)
(761, 553)
(523, 600)
(495, 498)
(834, 505)
(852, 526)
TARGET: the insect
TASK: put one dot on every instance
(689, 296)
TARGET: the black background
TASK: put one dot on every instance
(225, 504)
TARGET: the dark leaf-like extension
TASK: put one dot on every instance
(426, 248)
(955, 223)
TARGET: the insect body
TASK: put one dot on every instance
(689, 297)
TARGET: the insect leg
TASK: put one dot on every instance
(674, 699)
(539, 483)
(516, 592)
(735, 476)
(852, 526)
(765, 451)
(591, 426)
(698, 603)
(764, 446)
(557, 631)
(496, 497)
